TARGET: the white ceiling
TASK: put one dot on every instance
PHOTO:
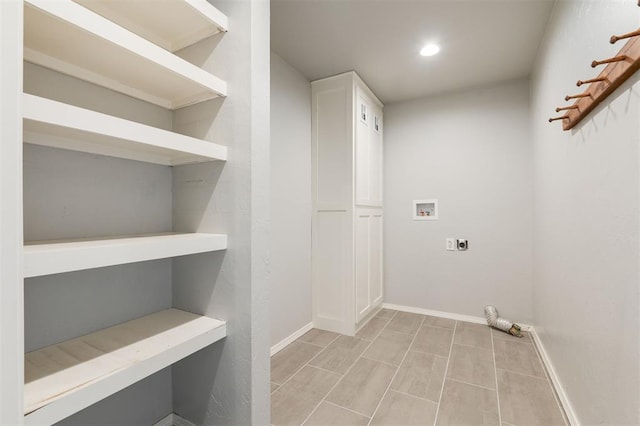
(482, 41)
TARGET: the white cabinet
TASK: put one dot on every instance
(347, 203)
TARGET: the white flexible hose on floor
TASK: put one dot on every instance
(500, 323)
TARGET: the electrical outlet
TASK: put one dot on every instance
(451, 244)
(462, 244)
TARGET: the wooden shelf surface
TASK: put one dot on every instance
(55, 257)
(68, 38)
(65, 378)
(59, 125)
(171, 24)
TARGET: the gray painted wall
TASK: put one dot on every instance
(470, 150)
(586, 210)
(228, 383)
(290, 200)
(133, 406)
(69, 194)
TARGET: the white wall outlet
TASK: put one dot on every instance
(451, 244)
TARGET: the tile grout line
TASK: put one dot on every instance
(431, 353)
(309, 343)
(396, 372)
(381, 362)
(495, 375)
(524, 374)
(344, 408)
(438, 326)
(470, 384)
(475, 347)
(322, 369)
(446, 370)
(414, 396)
(502, 339)
(345, 373)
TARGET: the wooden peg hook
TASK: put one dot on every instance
(615, 38)
(581, 95)
(564, 117)
(567, 108)
(593, 80)
(610, 60)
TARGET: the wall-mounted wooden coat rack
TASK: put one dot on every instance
(618, 69)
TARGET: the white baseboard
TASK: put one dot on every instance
(555, 380)
(174, 420)
(440, 314)
(288, 340)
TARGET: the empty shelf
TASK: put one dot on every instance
(171, 24)
(65, 378)
(59, 125)
(54, 257)
(66, 37)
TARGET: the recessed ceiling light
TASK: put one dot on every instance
(430, 50)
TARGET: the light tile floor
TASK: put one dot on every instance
(410, 369)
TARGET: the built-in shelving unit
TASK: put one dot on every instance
(65, 378)
(171, 24)
(55, 257)
(67, 37)
(125, 46)
(59, 125)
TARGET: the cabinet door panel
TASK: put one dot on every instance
(375, 158)
(330, 270)
(362, 151)
(363, 296)
(375, 259)
(332, 150)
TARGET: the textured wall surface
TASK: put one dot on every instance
(290, 200)
(586, 211)
(470, 150)
(227, 383)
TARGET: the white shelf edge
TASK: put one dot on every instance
(58, 125)
(215, 20)
(55, 257)
(107, 365)
(211, 13)
(87, 21)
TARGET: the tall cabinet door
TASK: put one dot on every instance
(362, 150)
(368, 152)
(375, 257)
(375, 157)
(362, 267)
(368, 255)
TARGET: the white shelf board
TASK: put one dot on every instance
(66, 37)
(65, 378)
(171, 24)
(55, 257)
(59, 125)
